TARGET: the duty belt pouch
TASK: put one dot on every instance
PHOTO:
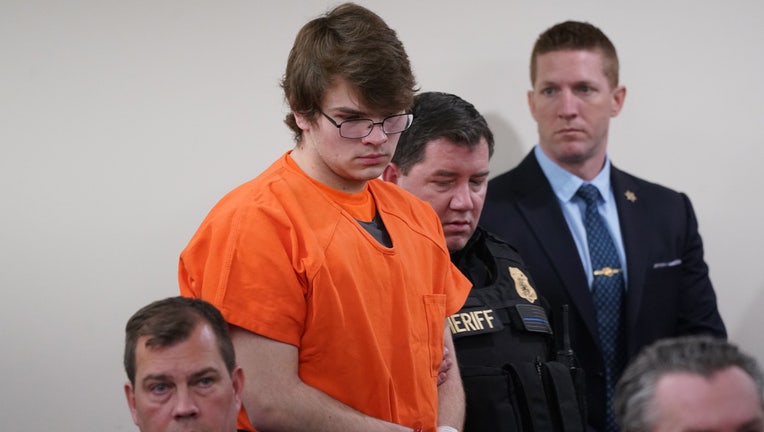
(562, 397)
(491, 407)
(531, 397)
(546, 397)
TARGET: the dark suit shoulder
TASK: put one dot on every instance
(523, 186)
(653, 195)
(525, 177)
(500, 186)
(626, 178)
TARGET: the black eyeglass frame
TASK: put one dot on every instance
(410, 116)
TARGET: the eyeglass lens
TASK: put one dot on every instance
(362, 127)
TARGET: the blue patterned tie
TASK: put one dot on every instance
(607, 293)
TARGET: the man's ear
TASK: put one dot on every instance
(532, 104)
(130, 395)
(302, 121)
(237, 379)
(618, 98)
(391, 173)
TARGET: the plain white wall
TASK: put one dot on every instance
(123, 122)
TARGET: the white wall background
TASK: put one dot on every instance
(123, 122)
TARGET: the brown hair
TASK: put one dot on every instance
(575, 35)
(171, 321)
(352, 43)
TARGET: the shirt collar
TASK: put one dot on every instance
(565, 184)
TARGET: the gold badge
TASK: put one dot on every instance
(631, 196)
(522, 284)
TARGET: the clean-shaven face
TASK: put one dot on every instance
(572, 102)
(453, 179)
(343, 163)
(184, 387)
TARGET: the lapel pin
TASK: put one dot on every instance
(630, 196)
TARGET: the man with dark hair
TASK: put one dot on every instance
(337, 284)
(502, 336)
(691, 383)
(181, 368)
(623, 253)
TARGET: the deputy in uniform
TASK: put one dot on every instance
(502, 336)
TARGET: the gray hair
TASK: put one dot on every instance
(700, 355)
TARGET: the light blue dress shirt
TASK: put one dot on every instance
(565, 185)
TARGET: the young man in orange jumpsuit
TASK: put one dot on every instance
(337, 284)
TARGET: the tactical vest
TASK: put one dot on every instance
(504, 346)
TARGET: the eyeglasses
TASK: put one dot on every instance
(361, 128)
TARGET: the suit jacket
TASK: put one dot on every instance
(668, 290)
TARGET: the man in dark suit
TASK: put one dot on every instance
(658, 265)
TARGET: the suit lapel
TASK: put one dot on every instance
(538, 205)
(632, 222)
